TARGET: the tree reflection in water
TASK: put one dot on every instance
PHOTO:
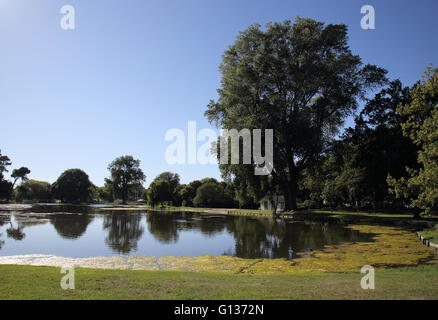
(270, 238)
(15, 233)
(2, 222)
(164, 227)
(124, 231)
(241, 236)
(71, 226)
(254, 238)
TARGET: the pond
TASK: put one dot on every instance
(84, 231)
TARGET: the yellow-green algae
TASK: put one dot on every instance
(390, 247)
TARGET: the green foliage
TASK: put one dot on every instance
(173, 180)
(353, 170)
(421, 125)
(20, 173)
(300, 79)
(7, 187)
(73, 185)
(34, 190)
(212, 195)
(125, 175)
(4, 163)
(376, 146)
(159, 192)
(187, 193)
(106, 193)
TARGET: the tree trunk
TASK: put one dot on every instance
(274, 205)
(125, 195)
(290, 190)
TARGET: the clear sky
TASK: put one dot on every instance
(132, 69)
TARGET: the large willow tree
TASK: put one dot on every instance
(299, 79)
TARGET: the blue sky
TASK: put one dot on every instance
(133, 69)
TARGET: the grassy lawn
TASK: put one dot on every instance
(362, 213)
(256, 211)
(229, 210)
(29, 282)
(431, 234)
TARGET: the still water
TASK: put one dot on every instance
(81, 231)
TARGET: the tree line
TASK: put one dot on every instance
(125, 182)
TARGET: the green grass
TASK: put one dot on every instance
(30, 282)
(431, 234)
(365, 214)
(256, 211)
(231, 210)
(304, 211)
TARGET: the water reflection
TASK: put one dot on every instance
(84, 231)
(280, 239)
(16, 232)
(71, 226)
(124, 231)
(165, 229)
(254, 238)
(2, 222)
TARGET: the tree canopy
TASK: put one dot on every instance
(159, 192)
(421, 125)
(299, 79)
(34, 190)
(73, 185)
(7, 187)
(125, 174)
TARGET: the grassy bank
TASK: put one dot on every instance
(431, 234)
(29, 282)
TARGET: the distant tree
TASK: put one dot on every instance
(377, 147)
(195, 184)
(34, 190)
(208, 195)
(105, 194)
(246, 193)
(353, 170)
(4, 163)
(421, 125)
(173, 180)
(176, 195)
(73, 185)
(7, 187)
(19, 174)
(126, 174)
(187, 193)
(299, 79)
(208, 180)
(159, 192)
